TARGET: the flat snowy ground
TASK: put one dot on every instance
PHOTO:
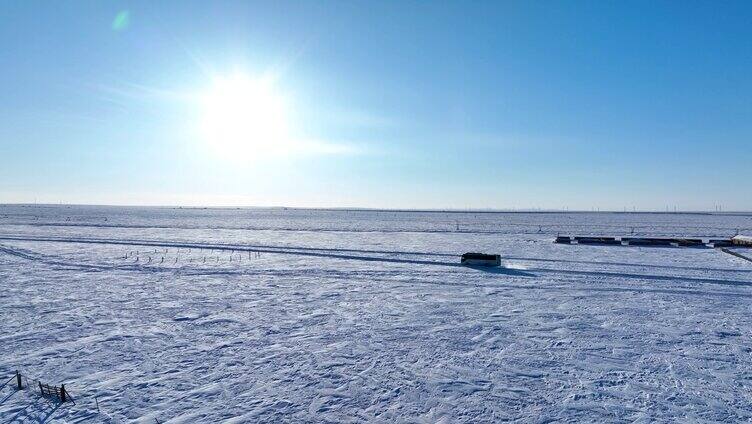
(174, 315)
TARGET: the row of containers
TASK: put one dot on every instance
(737, 241)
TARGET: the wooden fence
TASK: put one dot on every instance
(45, 390)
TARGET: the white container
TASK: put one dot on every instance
(742, 240)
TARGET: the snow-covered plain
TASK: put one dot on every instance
(272, 315)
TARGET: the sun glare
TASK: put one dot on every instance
(244, 116)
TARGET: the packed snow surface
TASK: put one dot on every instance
(282, 315)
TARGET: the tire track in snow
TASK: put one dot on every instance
(322, 253)
(220, 245)
(284, 249)
(501, 228)
(643, 276)
(294, 251)
(50, 260)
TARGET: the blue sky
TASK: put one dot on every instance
(386, 104)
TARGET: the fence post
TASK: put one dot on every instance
(62, 393)
(18, 380)
(40, 387)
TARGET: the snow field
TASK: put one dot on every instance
(367, 326)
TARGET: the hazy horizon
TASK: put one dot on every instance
(359, 208)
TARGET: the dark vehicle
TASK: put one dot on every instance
(481, 259)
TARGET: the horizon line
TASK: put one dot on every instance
(375, 209)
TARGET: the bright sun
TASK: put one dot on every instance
(244, 116)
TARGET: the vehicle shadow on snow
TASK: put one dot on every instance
(499, 270)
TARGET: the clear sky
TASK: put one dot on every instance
(391, 104)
